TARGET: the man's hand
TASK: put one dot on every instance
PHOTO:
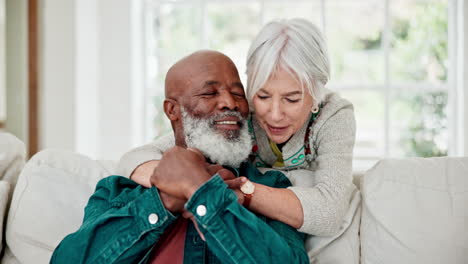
(235, 184)
(232, 182)
(171, 203)
(180, 172)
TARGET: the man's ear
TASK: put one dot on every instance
(172, 109)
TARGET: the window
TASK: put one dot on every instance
(392, 59)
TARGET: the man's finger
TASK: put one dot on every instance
(196, 151)
(226, 174)
(213, 168)
(236, 183)
(186, 214)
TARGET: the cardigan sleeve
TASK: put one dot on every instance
(137, 156)
(325, 199)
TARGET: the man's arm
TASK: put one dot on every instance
(122, 222)
(235, 235)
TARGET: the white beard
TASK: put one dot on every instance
(201, 134)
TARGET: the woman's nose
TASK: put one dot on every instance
(276, 111)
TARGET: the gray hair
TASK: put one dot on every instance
(296, 46)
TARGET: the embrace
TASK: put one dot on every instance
(255, 175)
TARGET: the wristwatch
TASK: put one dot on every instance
(247, 189)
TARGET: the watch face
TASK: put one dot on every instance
(247, 188)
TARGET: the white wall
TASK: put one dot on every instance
(2, 62)
(87, 77)
(17, 69)
(87, 72)
(119, 79)
(57, 46)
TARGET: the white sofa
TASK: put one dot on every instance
(12, 158)
(413, 210)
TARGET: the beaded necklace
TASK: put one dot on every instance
(307, 151)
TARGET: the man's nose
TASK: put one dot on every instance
(227, 101)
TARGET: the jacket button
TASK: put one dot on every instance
(201, 210)
(153, 218)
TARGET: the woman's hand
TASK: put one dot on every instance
(235, 184)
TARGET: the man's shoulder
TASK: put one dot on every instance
(272, 178)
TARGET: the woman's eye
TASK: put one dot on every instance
(262, 97)
(292, 100)
(209, 94)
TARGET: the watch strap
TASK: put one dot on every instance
(247, 199)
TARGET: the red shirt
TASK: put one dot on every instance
(170, 248)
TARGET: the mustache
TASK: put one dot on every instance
(227, 113)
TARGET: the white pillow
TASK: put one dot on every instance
(48, 203)
(415, 211)
(12, 158)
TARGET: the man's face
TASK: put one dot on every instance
(229, 148)
(214, 89)
(214, 109)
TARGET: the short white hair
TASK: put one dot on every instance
(294, 45)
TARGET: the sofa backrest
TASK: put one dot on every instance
(48, 203)
(415, 211)
(12, 159)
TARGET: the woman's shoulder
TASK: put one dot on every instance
(336, 107)
(333, 102)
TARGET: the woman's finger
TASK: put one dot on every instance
(236, 183)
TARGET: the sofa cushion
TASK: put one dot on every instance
(12, 158)
(415, 211)
(48, 203)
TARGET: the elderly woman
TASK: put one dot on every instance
(298, 127)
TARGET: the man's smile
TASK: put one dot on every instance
(228, 123)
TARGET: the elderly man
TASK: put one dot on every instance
(192, 216)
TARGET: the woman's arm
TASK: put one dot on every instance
(142, 174)
(278, 204)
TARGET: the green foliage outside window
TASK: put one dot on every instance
(426, 134)
(420, 44)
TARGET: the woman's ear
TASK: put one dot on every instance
(172, 109)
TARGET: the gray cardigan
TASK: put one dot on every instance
(323, 183)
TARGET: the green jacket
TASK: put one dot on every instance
(118, 228)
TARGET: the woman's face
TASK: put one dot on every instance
(281, 108)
